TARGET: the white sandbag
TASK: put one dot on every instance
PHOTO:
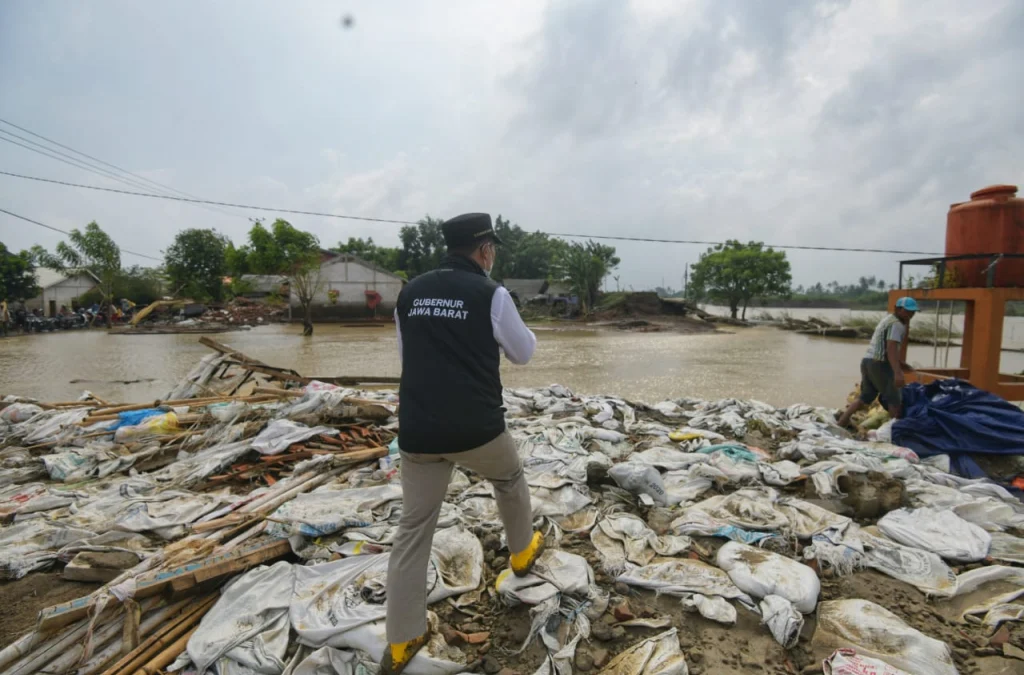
(747, 509)
(921, 569)
(806, 519)
(1007, 547)
(641, 480)
(993, 515)
(782, 619)
(563, 501)
(686, 485)
(779, 473)
(938, 530)
(326, 510)
(281, 433)
(878, 633)
(669, 459)
(624, 537)
(658, 655)
(555, 572)
(249, 622)
(19, 412)
(713, 608)
(683, 576)
(332, 599)
(52, 425)
(761, 573)
(849, 662)
(33, 544)
(331, 661)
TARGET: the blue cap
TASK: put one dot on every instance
(908, 304)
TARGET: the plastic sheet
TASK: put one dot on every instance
(281, 433)
(249, 623)
(165, 423)
(328, 510)
(955, 418)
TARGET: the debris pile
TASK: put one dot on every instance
(243, 525)
(244, 312)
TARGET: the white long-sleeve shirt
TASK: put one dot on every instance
(515, 339)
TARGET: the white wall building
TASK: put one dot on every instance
(60, 288)
(350, 278)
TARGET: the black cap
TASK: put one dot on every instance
(469, 228)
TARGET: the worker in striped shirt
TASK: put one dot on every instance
(882, 368)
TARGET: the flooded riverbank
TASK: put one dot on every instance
(761, 363)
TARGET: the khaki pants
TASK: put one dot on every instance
(424, 484)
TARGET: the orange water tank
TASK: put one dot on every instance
(992, 222)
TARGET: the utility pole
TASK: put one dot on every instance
(686, 279)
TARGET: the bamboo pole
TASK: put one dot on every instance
(167, 633)
(111, 652)
(168, 655)
(65, 653)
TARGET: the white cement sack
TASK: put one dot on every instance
(1007, 547)
(877, 633)
(640, 479)
(938, 530)
(779, 473)
(849, 662)
(761, 573)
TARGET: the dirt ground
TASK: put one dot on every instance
(21, 600)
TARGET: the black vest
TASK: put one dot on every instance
(450, 396)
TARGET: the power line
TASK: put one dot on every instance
(411, 222)
(144, 183)
(210, 201)
(714, 243)
(56, 229)
(67, 159)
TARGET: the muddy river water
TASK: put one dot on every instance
(762, 362)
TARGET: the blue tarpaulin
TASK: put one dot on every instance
(956, 418)
(132, 417)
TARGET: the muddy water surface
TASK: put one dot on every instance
(763, 363)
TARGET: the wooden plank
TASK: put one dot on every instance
(151, 583)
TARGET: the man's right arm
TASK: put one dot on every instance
(516, 340)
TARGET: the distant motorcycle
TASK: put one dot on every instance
(39, 324)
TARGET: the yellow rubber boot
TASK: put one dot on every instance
(397, 656)
(522, 562)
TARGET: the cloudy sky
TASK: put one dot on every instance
(831, 123)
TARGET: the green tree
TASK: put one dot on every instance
(423, 246)
(277, 250)
(91, 250)
(735, 273)
(584, 267)
(525, 255)
(383, 256)
(17, 275)
(196, 264)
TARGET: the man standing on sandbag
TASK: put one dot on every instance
(453, 323)
(882, 368)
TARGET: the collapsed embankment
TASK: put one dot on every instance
(689, 535)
